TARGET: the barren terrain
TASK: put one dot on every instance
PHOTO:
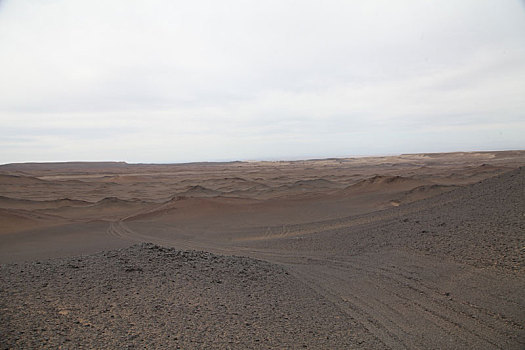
(422, 251)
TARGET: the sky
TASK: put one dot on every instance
(180, 81)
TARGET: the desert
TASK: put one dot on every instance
(262, 174)
(411, 251)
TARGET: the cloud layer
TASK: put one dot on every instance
(165, 81)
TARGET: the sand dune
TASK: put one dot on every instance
(18, 180)
(384, 184)
(106, 208)
(70, 167)
(199, 191)
(108, 202)
(232, 185)
(13, 203)
(314, 184)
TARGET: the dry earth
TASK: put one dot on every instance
(418, 251)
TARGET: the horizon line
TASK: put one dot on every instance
(269, 159)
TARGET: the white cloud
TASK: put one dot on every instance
(251, 79)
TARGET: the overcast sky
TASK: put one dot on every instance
(175, 81)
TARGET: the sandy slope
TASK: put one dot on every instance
(446, 272)
(409, 252)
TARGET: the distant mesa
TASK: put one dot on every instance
(59, 166)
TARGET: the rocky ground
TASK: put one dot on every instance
(147, 296)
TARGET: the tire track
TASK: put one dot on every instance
(439, 315)
(383, 335)
(391, 315)
(442, 306)
(396, 307)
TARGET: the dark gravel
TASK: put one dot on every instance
(147, 296)
(482, 225)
